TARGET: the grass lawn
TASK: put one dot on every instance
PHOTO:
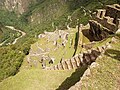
(35, 79)
(103, 42)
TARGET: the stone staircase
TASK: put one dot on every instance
(77, 86)
(85, 58)
(106, 21)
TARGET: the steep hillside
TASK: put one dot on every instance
(104, 73)
(60, 13)
(43, 15)
(18, 6)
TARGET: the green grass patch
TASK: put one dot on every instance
(35, 79)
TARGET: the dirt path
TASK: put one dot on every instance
(12, 28)
(2, 43)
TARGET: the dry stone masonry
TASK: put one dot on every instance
(87, 73)
(86, 58)
(106, 21)
(101, 27)
(109, 19)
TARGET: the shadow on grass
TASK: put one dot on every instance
(73, 79)
(86, 34)
(113, 54)
(76, 43)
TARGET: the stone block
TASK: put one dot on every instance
(77, 60)
(74, 63)
(52, 68)
(100, 49)
(98, 13)
(101, 13)
(80, 55)
(56, 67)
(92, 57)
(104, 47)
(87, 58)
(70, 66)
(95, 53)
(89, 51)
(82, 61)
(47, 68)
(64, 64)
(60, 67)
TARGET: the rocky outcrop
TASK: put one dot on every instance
(19, 6)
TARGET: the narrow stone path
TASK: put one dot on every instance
(85, 58)
(86, 74)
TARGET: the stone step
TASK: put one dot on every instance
(100, 49)
(70, 66)
(80, 59)
(60, 66)
(56, 67)
(77, 60)
(64, 64)
(95, 53)
(87, 59)
(74, 63)
(92, 57)
(80, 56)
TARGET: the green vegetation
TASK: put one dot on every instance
(41, 79)
(8, 35)
(11, 19)
(35, 79)
(45, 13)
(107, 74)
(58, 51)
(10, 61)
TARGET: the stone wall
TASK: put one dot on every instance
(113, 11)
(97, 31)
(105, 22)
(86, 58)
(87, 73)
